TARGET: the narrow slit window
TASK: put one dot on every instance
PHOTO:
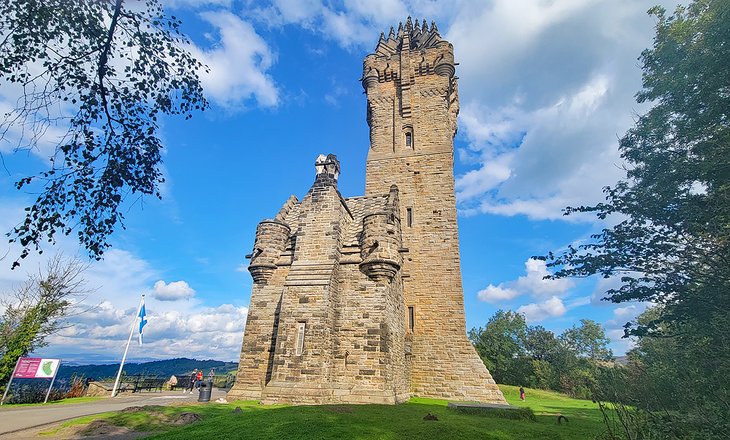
(411, 318)
(409, 217)
(300, 339)
(409, 140)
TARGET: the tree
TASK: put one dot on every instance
(103, 73)
(589, 340)
(500, 343)
(38, 309)
(672, 246)
(541, 344)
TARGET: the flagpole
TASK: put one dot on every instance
(131, 332)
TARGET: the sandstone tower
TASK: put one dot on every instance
(359, 299)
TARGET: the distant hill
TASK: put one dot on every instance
(164, 368)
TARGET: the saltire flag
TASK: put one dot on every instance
(142, 321)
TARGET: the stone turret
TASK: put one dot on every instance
(381, 241)
(271, 239)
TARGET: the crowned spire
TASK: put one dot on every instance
(415, 34)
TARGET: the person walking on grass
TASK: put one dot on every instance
(522, 393)
(193, 378)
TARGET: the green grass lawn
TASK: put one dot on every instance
(371, 421)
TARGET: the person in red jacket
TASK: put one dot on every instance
(198, 379)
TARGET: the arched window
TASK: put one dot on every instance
(408, 137)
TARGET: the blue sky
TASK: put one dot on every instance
(546, 89)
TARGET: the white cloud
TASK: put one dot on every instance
(550, 308)
(489, 176)
(213, 332)
(579, 302)
(546, 89)
(493, 294)
(238, 63)
(352, 23)
(533, 282)
(627, 313)
(100, 331)
(544, 158)
(175, 291)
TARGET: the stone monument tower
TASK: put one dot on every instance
(359, 299)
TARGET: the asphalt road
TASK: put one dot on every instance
(21, 418)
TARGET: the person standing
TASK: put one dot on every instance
(193, 378)
(522, 393)
(211, 375)
(199, 378)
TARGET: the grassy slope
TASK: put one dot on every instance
(374, 421)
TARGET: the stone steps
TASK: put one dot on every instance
(309, 274)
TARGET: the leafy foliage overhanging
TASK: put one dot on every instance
(103, 73)
(672, 246)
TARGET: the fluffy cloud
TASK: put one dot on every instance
(546, 88)
(533, 282)
(211, 332)
(550, 308)
(628, 313)
(175, 291)
(493, 294)
(350, 24)
(99, 326)
(238, 62)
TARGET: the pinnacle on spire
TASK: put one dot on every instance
(382, 37)
(433, 27)
(409, 24)
(424, 26)
(391, 35)
(400, 28)
(418, 26)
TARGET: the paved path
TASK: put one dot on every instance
(26, 417)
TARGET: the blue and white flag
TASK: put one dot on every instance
(142, 321)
